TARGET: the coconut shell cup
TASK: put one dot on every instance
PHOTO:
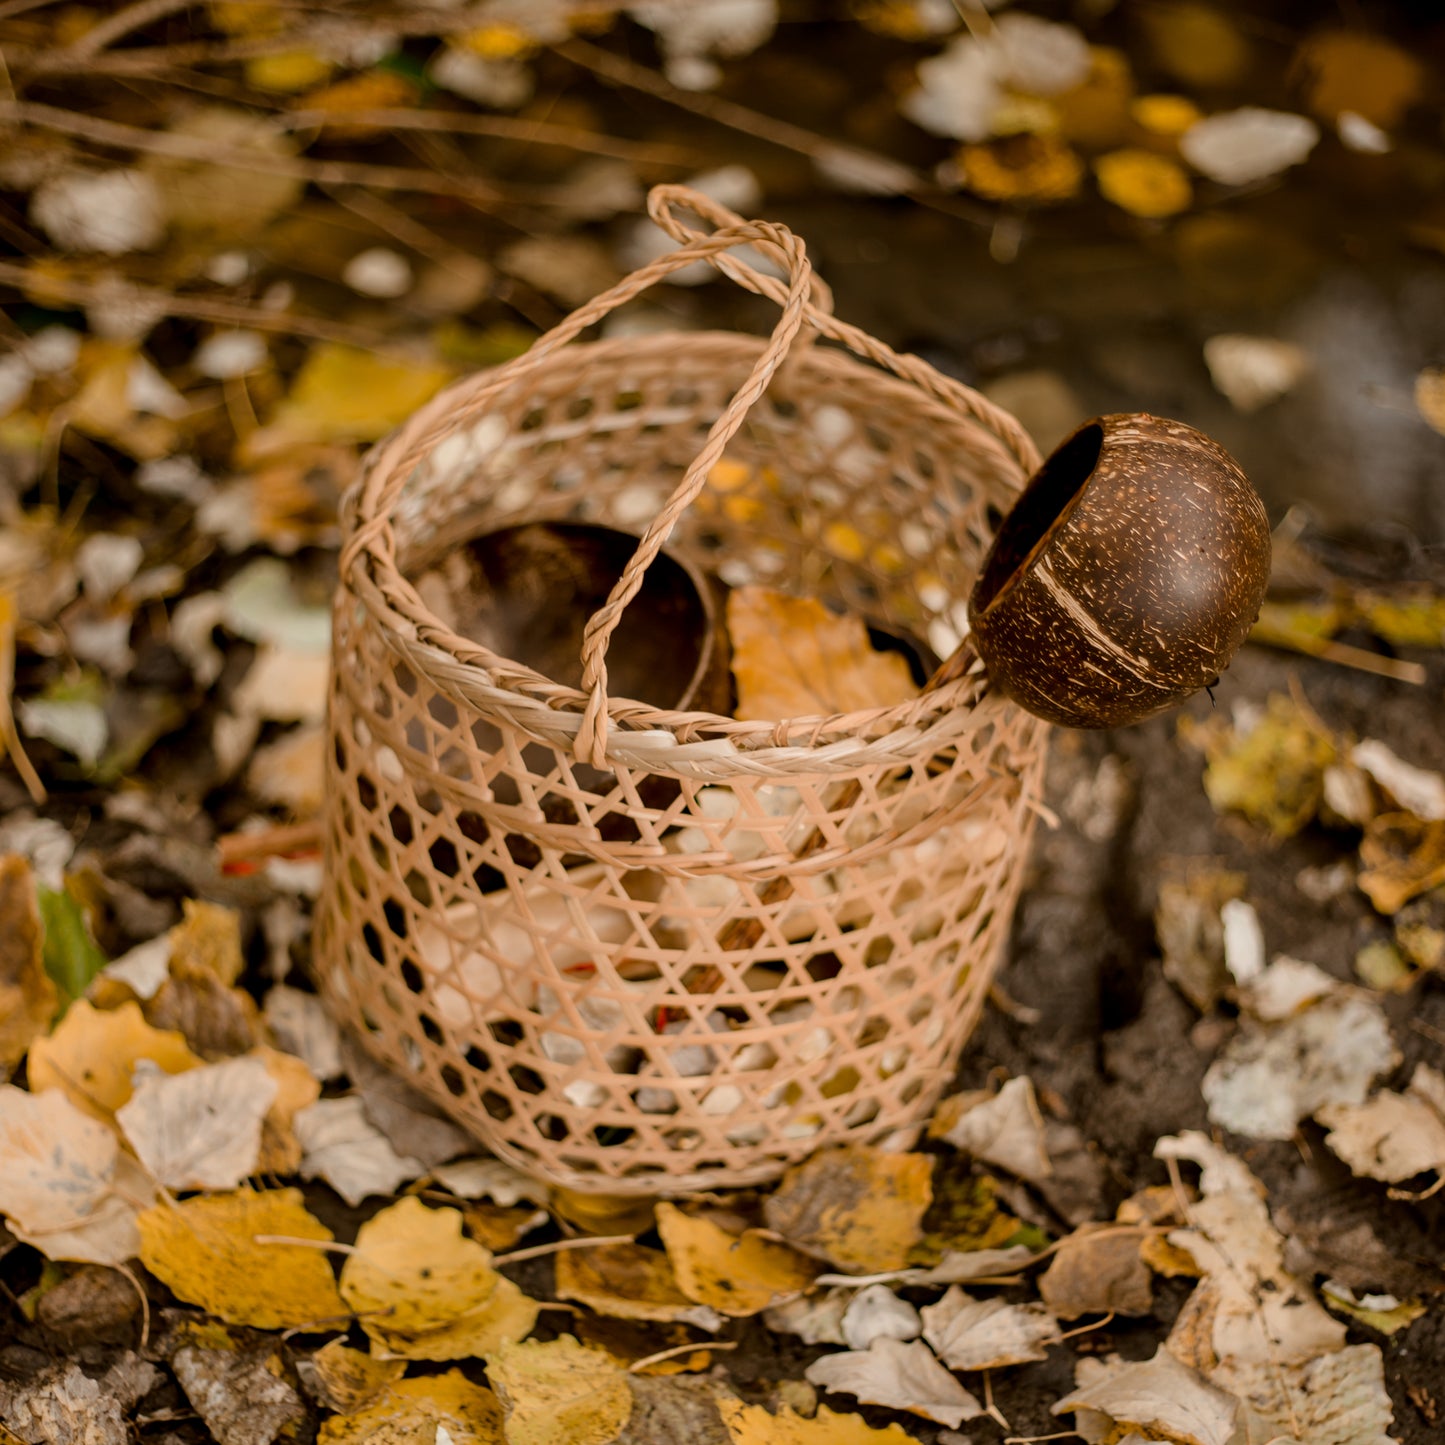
(1126, 576)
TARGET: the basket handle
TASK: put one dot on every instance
(776, 242)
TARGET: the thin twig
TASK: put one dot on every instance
(269, 842)
(637, 1366)
(540, 1251)
(1344, 655)
(75, 291)
(121, 24)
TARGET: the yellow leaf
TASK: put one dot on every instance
(415, 1412)
(1414, 618)
(1430, 397)
(288, 71)
(1274, 772)
(1144, 184)
(373, 90)
(296, 1088)
(753, 1425)
(207, 940)
(497, 1227)
(208, 1252)
(628, 1282)
(1404, 856)
(1167, 115)
(1095, 114)
(1037, 168)
(424, 1291)
(92, 1054)
(28, 999)
(559, 1393)
(345, 394)
(794, 658)
(735, 1275)
(349, 1379)
(856, 1206)
(1196, 43)
(498, 42)
(1351, 70)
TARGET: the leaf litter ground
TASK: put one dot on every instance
(204, 343)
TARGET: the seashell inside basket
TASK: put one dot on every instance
(515, 916)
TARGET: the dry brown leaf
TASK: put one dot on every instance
(1363, 74)
(855, 1206)
(1097, 1270)
(1392, 1136)
(1157, 1399)
(792, 657)
(1403, 857)
(901, 1375)
(296, 1088)
(987, 1334)
(345, 1379)
(1004, 1129)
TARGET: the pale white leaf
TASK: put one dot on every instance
(1158, 1398)
(342, 1147)
(144, 968)
(1005, 1129)
(302, 1025)
(200, 1129)
(490, 1179)
(111, 212)
(900, 1376)
(816, 1319)
(986, 1334)
(1284, 988)
(876, 1313)
(380, 272)
(230, 353)
(1418, 790)
(1249, 144)
(1362, 135)
(1392, 1136)
(262, 605)
(73, 725)
(1039, 56)
(1243, 940)
(959, 91)
(1270, 1076)
(1253, 371)
(106, 561)
(502, 84)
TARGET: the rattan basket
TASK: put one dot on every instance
(623, 994)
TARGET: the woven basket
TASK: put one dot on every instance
(629, 995)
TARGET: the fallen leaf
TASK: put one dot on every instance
(68, 952)
(1336, 1399)
(1249, 144)
(1032, 169)
(1403, 856)
(753, 1425)
(1284, 988)
(92, 1055)
(65, 1187)
(302, 1025)
(217, 1021)
(297, 1088)
(856, 1206)
(502, 1184)
(1272, 770)
(63, 1404)
(239, 1390)
(1097, 1270)
(987, 1334)
(1430, 397)
(1380, 1312)
(1253, 371)
(421, 1412)
(208, 1252)
(289, 772)
(109, 212)
(1144, 183)
(816, 1318)
(676, 1409)
(200, 1129)
(1159, 1399)
(344, 1379)
(1198, 44)
(1416, 790)
(735, 1275)
(1248, 1309)
(559, 1392)
(1004, 1129)
(207, 942)
(1270, 1076)
(28, 998)
(1190, 929)
(345, 394)
(1352, 71)
(793, 658)
(340, 1145)
(629, 1282)
(423, 1291)
(498, 1228)
(877, 1313)
(902, 1376)
(1392, 1136)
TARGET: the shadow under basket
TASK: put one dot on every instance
(558, 913)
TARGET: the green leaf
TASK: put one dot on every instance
(71, 957)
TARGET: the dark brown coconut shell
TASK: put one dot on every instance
(1126, 576)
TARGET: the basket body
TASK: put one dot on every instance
(517, 932)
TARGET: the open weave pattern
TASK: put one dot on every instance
(515, 914)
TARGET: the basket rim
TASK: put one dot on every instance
(641, 734)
